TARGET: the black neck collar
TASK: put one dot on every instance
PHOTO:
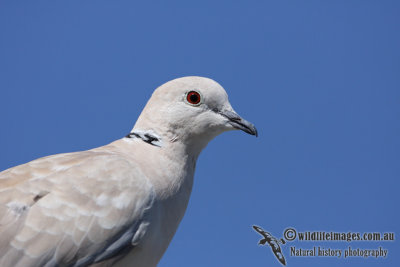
(147, 137)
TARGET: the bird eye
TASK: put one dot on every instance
(193, 97)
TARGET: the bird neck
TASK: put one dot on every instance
(171, 139)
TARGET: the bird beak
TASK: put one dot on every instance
(237, 122)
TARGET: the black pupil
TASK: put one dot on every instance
(194, 98)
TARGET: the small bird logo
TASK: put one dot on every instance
(272, 242)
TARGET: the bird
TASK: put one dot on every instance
(272, 242)
(118, 204)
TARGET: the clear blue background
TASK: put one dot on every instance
(320, 80)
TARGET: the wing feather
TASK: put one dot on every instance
(71, 209)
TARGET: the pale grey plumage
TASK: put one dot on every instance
(120, 203)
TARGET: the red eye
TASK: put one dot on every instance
(193, 97)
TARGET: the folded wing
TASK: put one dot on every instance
(71, 209)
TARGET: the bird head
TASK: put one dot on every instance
(192, 110)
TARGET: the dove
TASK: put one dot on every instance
(119, 204)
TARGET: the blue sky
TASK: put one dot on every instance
(319, 79)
